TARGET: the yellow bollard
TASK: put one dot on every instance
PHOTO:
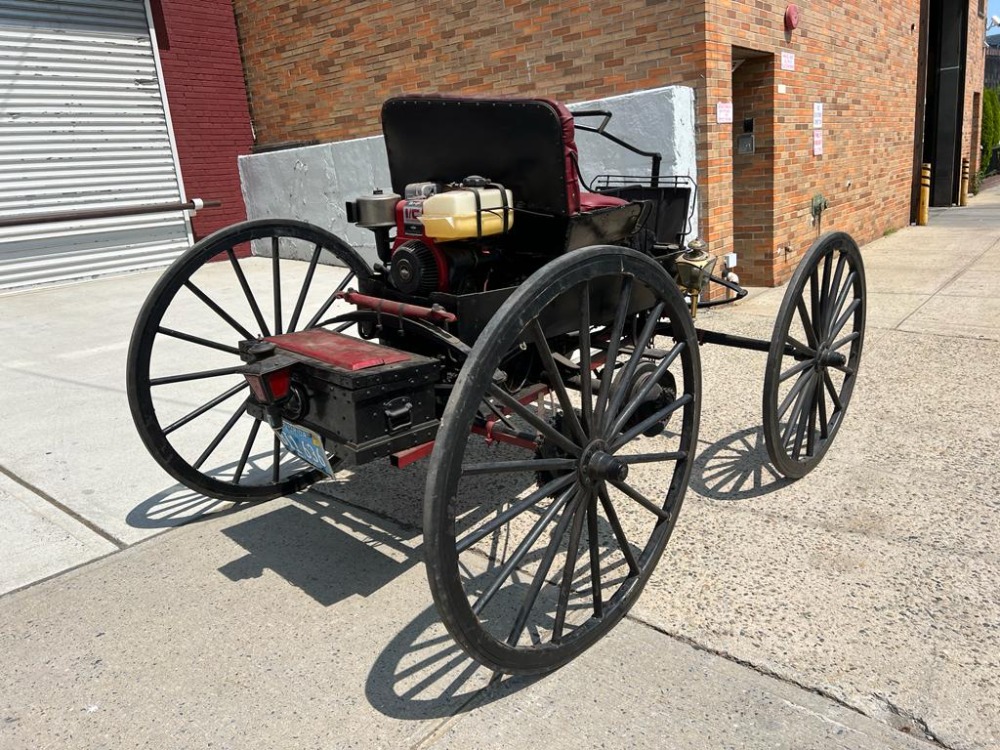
(925, 195)
(963, 194)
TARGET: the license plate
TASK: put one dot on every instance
(307, 445)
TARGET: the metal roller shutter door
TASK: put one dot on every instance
(82, 126)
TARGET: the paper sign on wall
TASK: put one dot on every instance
(788, 61)
(817, 143)
(724, 112)
(817, 115)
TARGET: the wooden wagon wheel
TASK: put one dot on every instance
(186, 396)
(821, 319)
(534, 556)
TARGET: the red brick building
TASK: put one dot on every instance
(203, 78)
(759, 68)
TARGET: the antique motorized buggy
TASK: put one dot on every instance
(533, 337)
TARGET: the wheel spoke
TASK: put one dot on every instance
(803, 421)
(833, 289)
(572, 550)
(799, 347)
(837, 405)
(825, 291)
(842, 321)
(276, 459)
(276, 284)
(197, 340)
(212, 305)
(595, 556)
(305, 287)
(807, 325)
(649, 421)
(517, 556)
(536, 464)
(842, 295)
(824, 425)
(556, 381)
(251, 300)
(531, 597)
(628, 373)
(330, 300)
(586, 382)
(647, 387)
(796, 369)
(548, 431)
(619, 532)
(208, 406)
(813, 414)
(793, 392)
(800, 400)
(246, 451)
(222, 434)
(845, 341)
(550, 488)
(189, 376)
(614, 342)
(815, 295)
(644, 501)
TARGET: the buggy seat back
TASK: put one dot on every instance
(527, 145)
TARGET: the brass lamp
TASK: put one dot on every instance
(693, 271)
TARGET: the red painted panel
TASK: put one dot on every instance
(338, 350)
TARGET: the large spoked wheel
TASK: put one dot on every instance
(188, 400)
(535, 550)
(815, 351)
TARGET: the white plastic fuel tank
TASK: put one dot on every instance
(451, 215)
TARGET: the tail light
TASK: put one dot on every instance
(270, 385)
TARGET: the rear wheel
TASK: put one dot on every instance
(187, 398)
(535, 550)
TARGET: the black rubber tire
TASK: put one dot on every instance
(222, 246)
(535, 298)
(798, 437)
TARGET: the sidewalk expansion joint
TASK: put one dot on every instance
(910, 725)
(63, 508)
(947, 282)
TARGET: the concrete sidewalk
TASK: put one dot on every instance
(858, 607)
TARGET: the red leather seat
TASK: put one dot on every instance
(578, 200)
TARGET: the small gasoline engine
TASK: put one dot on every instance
(444, 238)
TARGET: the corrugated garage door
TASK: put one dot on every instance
(82, 126)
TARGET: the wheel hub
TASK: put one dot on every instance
(596, 465)
(828, 358)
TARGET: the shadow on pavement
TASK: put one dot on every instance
(176, 506)
(423, 674)
(736, 467)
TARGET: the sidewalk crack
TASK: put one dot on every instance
(907, 723)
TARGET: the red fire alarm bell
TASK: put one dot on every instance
(791, 17)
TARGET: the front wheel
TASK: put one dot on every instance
(537, 548)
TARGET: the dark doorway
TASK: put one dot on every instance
(947, 41)
(753, 164)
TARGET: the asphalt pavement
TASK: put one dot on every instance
(858, 607)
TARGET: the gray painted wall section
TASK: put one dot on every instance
(312, 183)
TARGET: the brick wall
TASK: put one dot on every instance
(203, 75)
(314, 73)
